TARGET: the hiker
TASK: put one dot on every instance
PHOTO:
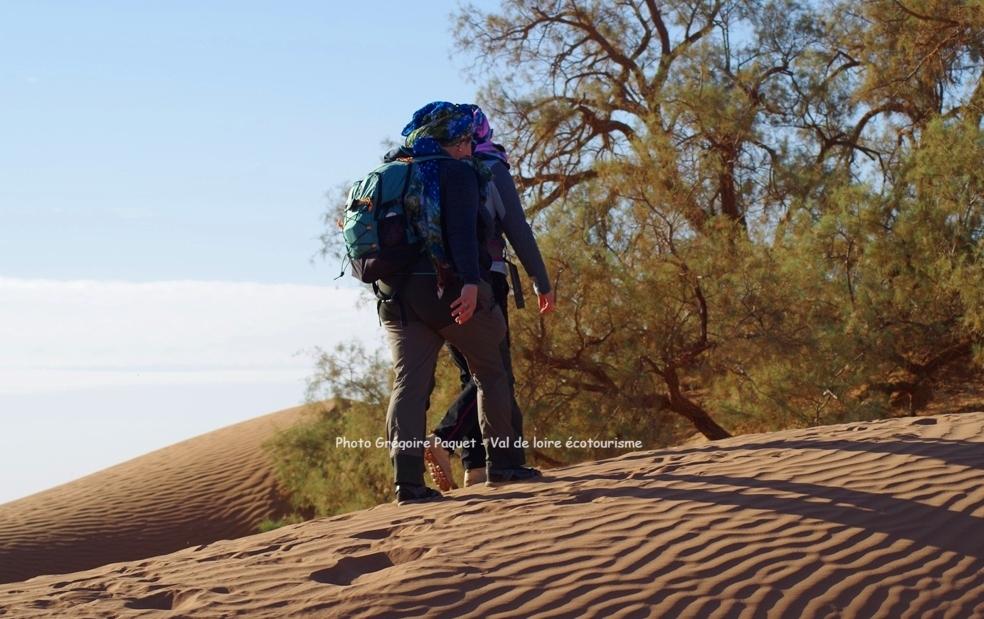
(460, 423)
(442, 297)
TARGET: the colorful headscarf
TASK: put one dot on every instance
(482, 136)
(435, 123)
(442, 121)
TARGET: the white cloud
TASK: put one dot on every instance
(71, 334)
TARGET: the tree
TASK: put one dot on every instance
(647, 122)
(688, 153)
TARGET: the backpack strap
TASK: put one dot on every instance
(406, 181)
(346, 261)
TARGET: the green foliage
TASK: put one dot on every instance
(321, 474)
(272, 524)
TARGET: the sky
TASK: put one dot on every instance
(163, 173)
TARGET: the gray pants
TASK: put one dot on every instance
(416, 331)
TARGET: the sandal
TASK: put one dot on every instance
(438, 461)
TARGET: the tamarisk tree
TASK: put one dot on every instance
(721, 187)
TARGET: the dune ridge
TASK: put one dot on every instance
(214, 486)
(869, 519)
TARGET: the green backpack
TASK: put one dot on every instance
(380, 239)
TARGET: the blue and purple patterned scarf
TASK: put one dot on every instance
(435, 123)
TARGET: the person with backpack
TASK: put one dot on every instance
(440, 296)
(460, 423)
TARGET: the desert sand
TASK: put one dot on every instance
(215, 486)
(872, 519)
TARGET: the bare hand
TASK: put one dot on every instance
(547, 302)
(464, 306)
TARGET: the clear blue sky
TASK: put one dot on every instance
(143, 141)
(147, 142)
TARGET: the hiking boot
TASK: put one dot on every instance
(519, 473)
(412, 493)
(438, 461)
(473, 477)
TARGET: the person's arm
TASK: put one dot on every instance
(459, 213)
(518, 231)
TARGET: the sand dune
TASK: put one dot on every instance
(874, 519)
(216, 486)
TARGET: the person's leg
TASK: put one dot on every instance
(500, 289)
(479, 341)
(461, 417)
(459, 426)
(460, 423)
(418, 303)
(474, 459)
(464, 374)
(414, 347)
(473, 451)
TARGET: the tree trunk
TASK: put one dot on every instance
(916, 393)
(729, 193)
(681, 404)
